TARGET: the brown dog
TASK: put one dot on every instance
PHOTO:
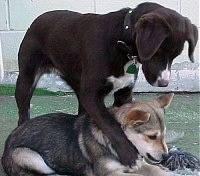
(97, 54)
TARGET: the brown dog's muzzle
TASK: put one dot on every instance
(163, 83)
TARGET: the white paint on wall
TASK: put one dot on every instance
(190, 9)
(1, 63)
(3, 15)
(23, 12)
(10, 41)
(105, 6)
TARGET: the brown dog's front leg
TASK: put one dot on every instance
(123, 96)
(94, 105)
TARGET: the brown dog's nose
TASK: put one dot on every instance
(163, 83)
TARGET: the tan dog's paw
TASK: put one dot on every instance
(150, 170)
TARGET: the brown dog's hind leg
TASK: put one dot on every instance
(30, 69)
(23, 93)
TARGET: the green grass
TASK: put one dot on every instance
(9, 90)
(181, 116)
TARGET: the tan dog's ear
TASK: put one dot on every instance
(165, 100)
(136, 116)
(192, 37)
(151, 30)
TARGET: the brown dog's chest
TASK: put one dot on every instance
(128, 78)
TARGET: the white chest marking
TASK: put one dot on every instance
(122, 81)
(165, 74)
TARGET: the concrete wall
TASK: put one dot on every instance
(17, 15)
(1, 65)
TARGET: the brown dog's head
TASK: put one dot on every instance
(159, 35)
(143, 124)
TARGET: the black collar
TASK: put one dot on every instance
(125, 45)
(127, 27)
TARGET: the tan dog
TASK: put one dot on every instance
(143, 124)
(63, 144)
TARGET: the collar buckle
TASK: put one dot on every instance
(132, 58)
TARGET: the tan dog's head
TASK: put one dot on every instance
(143, 124)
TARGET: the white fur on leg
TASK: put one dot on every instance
(117, 167)
(27, 158)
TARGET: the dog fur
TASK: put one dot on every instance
(74, 145)
(90, 52)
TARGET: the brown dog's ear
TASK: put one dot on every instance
(136, 116)
(151, 30)
(165, 100)
(191, 37)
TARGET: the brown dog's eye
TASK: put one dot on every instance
(152, 137)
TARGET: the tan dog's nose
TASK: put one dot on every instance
(164, 155)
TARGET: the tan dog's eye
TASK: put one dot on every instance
(152, 137)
